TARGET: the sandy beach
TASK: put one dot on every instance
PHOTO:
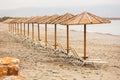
(41, 65)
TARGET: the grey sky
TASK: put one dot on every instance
(105, 8)
(12, 4)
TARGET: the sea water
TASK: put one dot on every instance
(108, 28)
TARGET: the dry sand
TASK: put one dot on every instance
(40, 65)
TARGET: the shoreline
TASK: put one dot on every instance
(92, 32)
(97, 33)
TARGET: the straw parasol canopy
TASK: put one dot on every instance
(27, 20)
(23, 20)
(8, 21)
(48, 19)
(19, 20)
(62, 18)
(83, 18)
(14, 20)
(34, 19)
(41, 19)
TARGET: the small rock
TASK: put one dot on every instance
(49, 70)
(61, 65)
(97, 73)
(74, 79)
(84, 76)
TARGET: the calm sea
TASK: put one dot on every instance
(110, 28)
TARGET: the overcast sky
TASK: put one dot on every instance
(11, 4)
(100, 7)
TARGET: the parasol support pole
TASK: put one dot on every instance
(68, 49)
(12, 28)
(24, 29)
(45, 34)
(38, 32)
(32, 31)
(21, 28)
(55, 37)
(28, 30)
(9, 27)
(18, 28)
(85, 42)
(15, 28)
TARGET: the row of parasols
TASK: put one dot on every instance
(67, 19)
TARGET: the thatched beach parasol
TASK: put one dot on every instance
(58, 21)
(83, 18)
(27, 22)
(46, 21)
(34, 20)
(9, 25)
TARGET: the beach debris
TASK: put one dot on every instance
(9, 66)
(9, 69)
(3, 71)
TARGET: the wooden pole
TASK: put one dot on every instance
(67, 38)
(85, 41)
(32, 31)
(21, 28)
(24, 29)
(45, 34)
(18, 28)
(28, 30)
(38, 32)
(9, 27)
(15, 28)
(55, 37)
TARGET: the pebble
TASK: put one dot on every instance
(76, 70)
(74, 79)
